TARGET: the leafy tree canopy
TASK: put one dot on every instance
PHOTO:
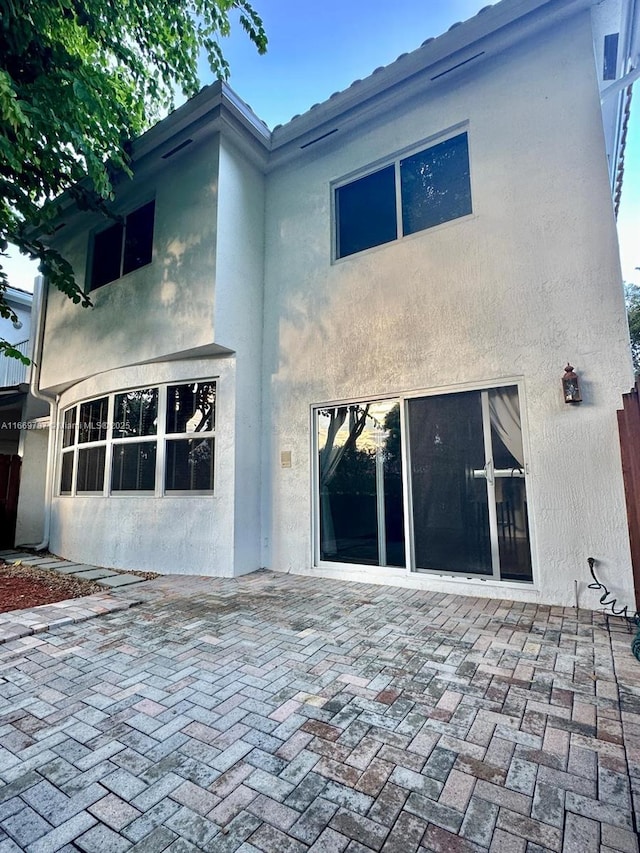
(78, 80)
(632, 298)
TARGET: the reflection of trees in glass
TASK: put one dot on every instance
(93, 420)
(190, 407)
(189, 464)
(330, 455)
(190, 410)
(632, 298)
(360, 484)
(346, 463)
(435, 185)
(136, 413)
(392, 439)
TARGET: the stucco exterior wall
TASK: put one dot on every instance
(178, 534)
(30, 522)
(530, 280)
(218, 235)
(163, 308)
(239, 313)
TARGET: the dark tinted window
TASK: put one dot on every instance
(93, 420)
(66, 473)
(107, 251)
(134, 467)
(123, 247)
(136, 413)
(189, 465)
(435, 185)
(190, 407)
(610, 56)
(90, 469)
(138, 239)
(366, 212)
(69, 427)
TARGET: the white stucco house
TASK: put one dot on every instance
(336, 347)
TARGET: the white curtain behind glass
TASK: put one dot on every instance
(505, 419)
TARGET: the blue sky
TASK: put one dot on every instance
(316, 49)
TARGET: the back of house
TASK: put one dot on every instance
(337, 347)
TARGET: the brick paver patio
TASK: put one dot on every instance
(288, 714)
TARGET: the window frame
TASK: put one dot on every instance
(122, 219)
(395, 160)
(160, 440)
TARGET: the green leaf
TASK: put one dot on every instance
(77, 81)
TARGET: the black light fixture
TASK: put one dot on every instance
(571, 386)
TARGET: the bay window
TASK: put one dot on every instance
(152, 441)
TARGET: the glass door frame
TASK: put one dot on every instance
(409, 537)
(316, 499)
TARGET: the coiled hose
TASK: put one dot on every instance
(607, 600)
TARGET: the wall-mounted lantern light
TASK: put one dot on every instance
(571, 386)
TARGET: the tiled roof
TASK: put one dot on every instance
(402, 56)
(617, 194)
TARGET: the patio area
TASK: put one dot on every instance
(286, 714)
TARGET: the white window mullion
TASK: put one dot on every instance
(315, 488)
(108, 453)
(491, 485)
(399, 229)
(160, 439)
(409, 549)
(74, 474)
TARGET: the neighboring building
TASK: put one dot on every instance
(17, 409)
(14, 375)
(337, 347)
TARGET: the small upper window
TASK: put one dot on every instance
(123, 247)
(434, 187)
(366, 212)
(610, 58)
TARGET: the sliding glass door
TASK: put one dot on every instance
(448, 489)
(468, 494)
(464, 492)
(359, 472)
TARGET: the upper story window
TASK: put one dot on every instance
(610, 58)
(412, 193)
(123, 247)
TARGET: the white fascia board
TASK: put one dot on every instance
(633, 41)
(203, 109)
(455, 52)
(14, 296)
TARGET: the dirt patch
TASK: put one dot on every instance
(24, 586)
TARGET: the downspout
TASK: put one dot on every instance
(620, 84)
(41, 293)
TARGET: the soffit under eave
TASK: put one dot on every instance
(215, 109)
(620, 96)
(220, 119)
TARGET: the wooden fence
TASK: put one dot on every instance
(629, 428)
(9, 486)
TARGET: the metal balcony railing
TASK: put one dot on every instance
(12, 371)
